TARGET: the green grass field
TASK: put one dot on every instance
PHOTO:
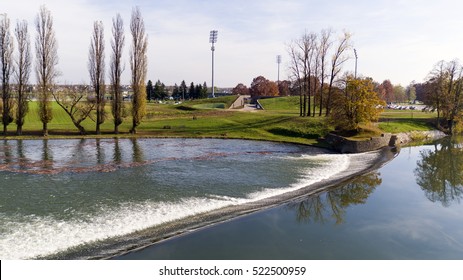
(279, 121)
(405, 121)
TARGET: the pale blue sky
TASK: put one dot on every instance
(397, 39)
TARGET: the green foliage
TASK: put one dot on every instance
(359, 103)
(227, 100)
(45, 110)
(406, 121)
(438, 172)
(185, 108)
(333, 203)
(138, 107)
(288, 104)
(210, 106)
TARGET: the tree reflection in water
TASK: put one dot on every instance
(83, 155)
(332, 204)
(439, 172)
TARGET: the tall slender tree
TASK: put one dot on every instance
(296, 73)
(116, 68)
(6, 59)
(204, 91)
(96, 69)
(324, 46)
(22, 73)
(183, 89)
(150, 90)
(191, 91)
(139, 66)
(46, 50)
(337, 60)
(304, 64)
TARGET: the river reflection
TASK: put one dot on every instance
(439, 172)
(84, 155)
(323, 207)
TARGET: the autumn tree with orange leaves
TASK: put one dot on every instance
(260, 86)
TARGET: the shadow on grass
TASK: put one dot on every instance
(185, 108)
(292, 133)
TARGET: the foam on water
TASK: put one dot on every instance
(40, 236)
(33, 236)
(328, 165)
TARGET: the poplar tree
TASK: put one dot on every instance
(46, 51)
(22, 73)
(6, 60)
(96, 69)
(116, 68)
(138, 65)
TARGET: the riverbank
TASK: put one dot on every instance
(279, 122)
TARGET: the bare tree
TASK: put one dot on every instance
(315, 67)
(96, 68)
(324, 46)
(338, 59)
(303, 64)
(138, 65)
(76, 104)
(23, 70)
(116, 68)
(296, 73)
(46, 50)
(445, 84)
(6, 59)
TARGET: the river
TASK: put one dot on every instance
(94, 198)
(227, 199)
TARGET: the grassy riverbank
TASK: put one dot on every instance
(279, 121)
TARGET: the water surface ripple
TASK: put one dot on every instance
(97, 197)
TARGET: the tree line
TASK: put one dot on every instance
(77, 102)
(442, 91)
(159, 91)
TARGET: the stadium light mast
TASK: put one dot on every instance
(213, 40)
(278, 62)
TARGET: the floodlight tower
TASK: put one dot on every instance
(213, 40)
(278, 62)
(356, 58)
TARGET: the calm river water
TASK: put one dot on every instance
(408, 209)
(91, 198)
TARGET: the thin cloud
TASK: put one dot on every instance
(397, 40)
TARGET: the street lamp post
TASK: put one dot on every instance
(213, 40)
(278, 62)
(356, 58)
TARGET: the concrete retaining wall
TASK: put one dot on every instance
(344, 145)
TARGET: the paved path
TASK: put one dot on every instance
(241, 105)
(239, 102)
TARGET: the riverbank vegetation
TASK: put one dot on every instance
(280, 121)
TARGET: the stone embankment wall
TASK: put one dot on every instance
(344, 145)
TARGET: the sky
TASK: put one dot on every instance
(399, 40)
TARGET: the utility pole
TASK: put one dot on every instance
(213, 40)
(278, 62)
